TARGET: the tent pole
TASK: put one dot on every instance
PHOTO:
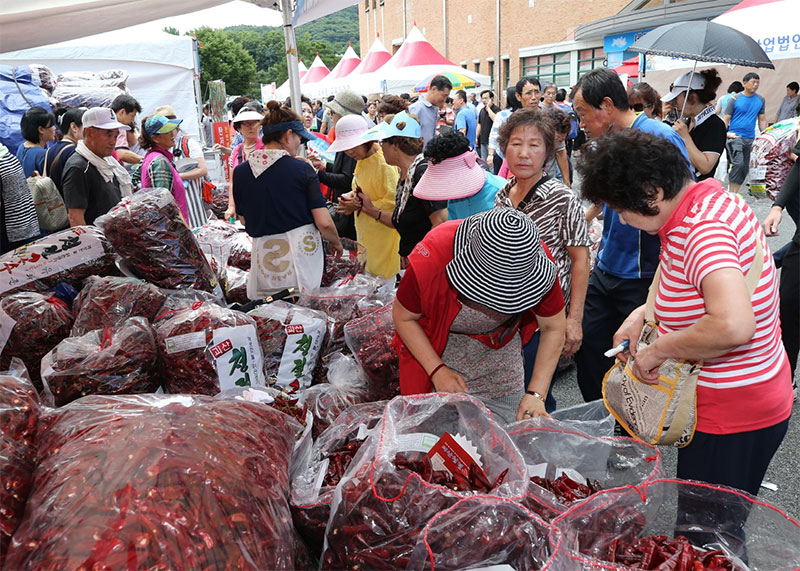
(291, 55)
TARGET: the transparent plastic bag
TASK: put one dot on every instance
(320, 471)
(553, 453)
(346, 386)
(159, 481)
(148, 232)
(749, 533)
(370, 340)
(770, 158)
(241, 247)
(237, 285)
(483, 531)
(291, 340)
(122, 359)
(379, 510)
(591, 418)
(183, 299)
(344, 267)
(339, 304)
(70, 256)
(110, 301)
(19, 416)
(33, 324)
(208, 348)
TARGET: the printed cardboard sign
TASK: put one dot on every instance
(237, 357)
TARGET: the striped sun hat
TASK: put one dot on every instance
(499, 261)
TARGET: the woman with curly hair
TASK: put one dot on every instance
(390, 105)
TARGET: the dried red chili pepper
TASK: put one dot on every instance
(219, 201)
(343, 267)
(111, 361)
(148, 232)
(241, 247)
(106, 302)
(42, 322)
(193, 369)
(370, 340)
(19, 414)
(565, 489)
(237, 285)
(288, 405)
(159, 482)
(658, 552)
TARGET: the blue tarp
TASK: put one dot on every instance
(13, 104)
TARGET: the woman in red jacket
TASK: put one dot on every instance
(474, 292)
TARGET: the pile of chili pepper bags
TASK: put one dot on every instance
(148, 232)
(340, 305)
(370, 340)
(550, 450)
(632, 528)
(105, 302)
(379, 510)
(159, 482)
(19, 415)
(111, 361)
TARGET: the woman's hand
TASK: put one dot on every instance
(574, 338)
(348, 203)
(772, 221)
(630, 329)
(366, 203)
(336, 249)
(230, 213)
(646, 364)
(529, 407)
(446, 380)
(682, 128)
(316, 161)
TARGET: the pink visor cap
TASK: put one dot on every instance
(453, 178)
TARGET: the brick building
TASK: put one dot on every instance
(557, 40)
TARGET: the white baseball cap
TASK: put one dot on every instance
(682, 84)
(102, 118)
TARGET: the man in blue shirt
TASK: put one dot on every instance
(740, 115)
(427, 107)
(465, 117)
(629, 257)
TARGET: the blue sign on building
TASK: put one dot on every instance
(621, 42)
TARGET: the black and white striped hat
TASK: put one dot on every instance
(499, 261)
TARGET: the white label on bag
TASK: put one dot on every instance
(758, 173)
(7, 324)
(184, 342)
(237, 357)
(537, 470)
(304, 338)
(48, 256)
(418, 442)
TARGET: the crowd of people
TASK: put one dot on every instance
(471, 207)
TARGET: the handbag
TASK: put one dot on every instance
(50, 208)
(664, 413)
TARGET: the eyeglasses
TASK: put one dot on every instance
(639, 107)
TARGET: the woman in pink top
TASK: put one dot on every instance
(158, 136)
(246, 122)
(716, 302)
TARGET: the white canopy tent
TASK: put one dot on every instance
(162, 68)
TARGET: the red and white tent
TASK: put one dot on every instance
(283, 91)
(414, 61)
(374, 59)
(316, 73)
(333, 81)
(346, 65)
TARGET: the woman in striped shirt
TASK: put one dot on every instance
(709, 243)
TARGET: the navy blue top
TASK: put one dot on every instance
(281, 199)
(629, 253)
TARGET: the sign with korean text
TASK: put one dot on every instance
(237, 357)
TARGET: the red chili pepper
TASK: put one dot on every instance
(110, 301)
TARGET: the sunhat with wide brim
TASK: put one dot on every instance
(346, 103)
(351, 131)
(456, 177)
(500, 262)
(247, 115)
(401, 125)
(158, 125)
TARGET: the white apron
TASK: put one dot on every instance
(280, 261)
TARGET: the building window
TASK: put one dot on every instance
(463, 66)
(589, 60)
(507, 72)
(491, 73)
(477, 67)
(366, 5)
(549, 68)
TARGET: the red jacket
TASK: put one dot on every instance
(440, 305)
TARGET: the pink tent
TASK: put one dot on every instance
(346, 65)
(373, 59)
(416, 50)
(317, 72)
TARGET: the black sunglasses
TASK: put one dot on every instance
(639, 107)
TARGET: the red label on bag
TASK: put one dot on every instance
(295, 329)
(220, 349)
(451, 455)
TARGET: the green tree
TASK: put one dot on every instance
(172, 30)
(223, 58)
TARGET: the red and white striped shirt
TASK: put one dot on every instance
(749, 387)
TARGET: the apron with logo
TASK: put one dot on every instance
(280, 261)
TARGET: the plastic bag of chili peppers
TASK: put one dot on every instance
(321, 470)
(68, 256)
(110, 301)
(215, 234)
(370, 340)
(591, 418)
(159, 482)
(237, 285)
(219, 200)
(344, 267)
(679, 525)
(31, 324)
(241, 246)
(565, 466)
(483, 531)
(181, 299)
(339, 304)
(392, 489)
(148, 232)
(291, 340)
(111, 361)
(346, 386)
(19, 415)
(207, 348)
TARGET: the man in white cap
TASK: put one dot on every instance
(93, 181)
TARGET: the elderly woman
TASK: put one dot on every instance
(450, 159)
(376, 180)
(158, 170)
(705, 311)
(282, 208)
(413, 217)
(474, 292)
(527, 139)
(38, 126)
(246, 123)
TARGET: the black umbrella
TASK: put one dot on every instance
(703, 41)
